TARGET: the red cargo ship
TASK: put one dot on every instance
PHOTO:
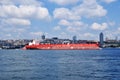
(68, 46)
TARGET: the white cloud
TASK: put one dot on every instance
(109, 1)
(64, 23)
(72, 26)
(21, 30)
(88, 35)
(20, 2)
(73, 29)
(111, 23)
(86, 9)
(57, 28)
(90, 9)
(15, 22)
(64, 13)
(109, 34)
(8, 35)
(6, 2)
(96, 26)
(64, 2)
(36, 33)
(16, 14)
(42, 13)
(64, 35)
(77, 24)
(71, 23)
(61, 13)
(24, 11)
(119, 29)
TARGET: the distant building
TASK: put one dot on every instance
(116, 38)
(106, 39)
(74, 39)
(43, 37)
(101, 36)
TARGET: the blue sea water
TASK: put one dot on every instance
(60, 64)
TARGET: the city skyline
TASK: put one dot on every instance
(29, 19)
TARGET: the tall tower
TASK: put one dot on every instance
(43, 37)
(74, 39)
(116, 38)
(101, 36)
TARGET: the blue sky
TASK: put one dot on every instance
(29, 19)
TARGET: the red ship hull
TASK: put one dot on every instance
(63, 46)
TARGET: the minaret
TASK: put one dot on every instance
(101, 36)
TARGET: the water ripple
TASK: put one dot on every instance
(59, 65)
